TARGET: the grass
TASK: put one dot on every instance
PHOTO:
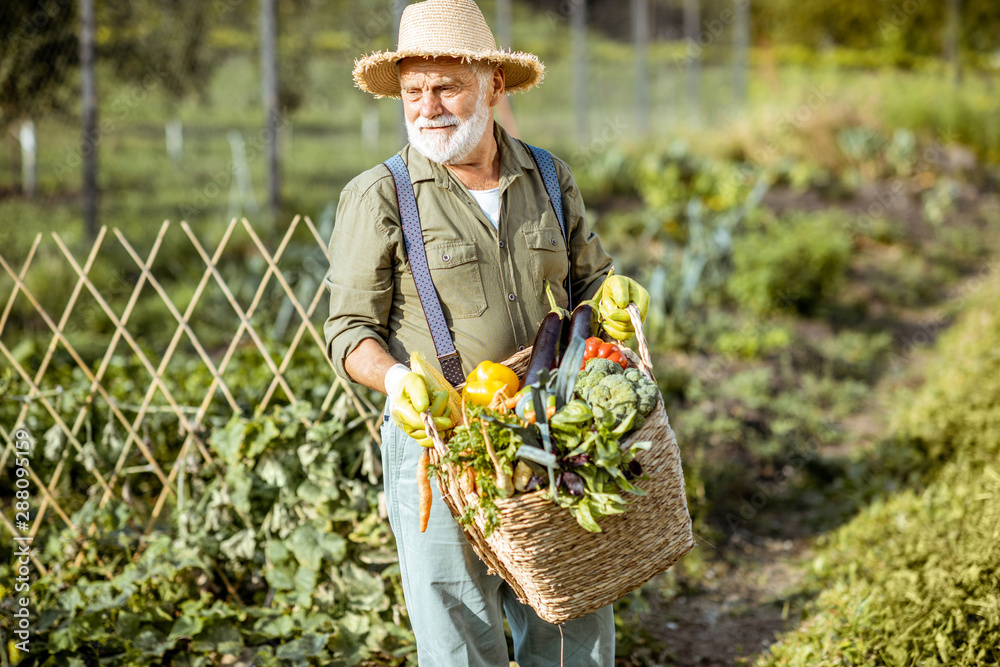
(913, 579)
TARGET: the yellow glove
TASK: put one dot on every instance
(615, 295)
(409, 399)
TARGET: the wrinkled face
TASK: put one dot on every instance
(448, 106)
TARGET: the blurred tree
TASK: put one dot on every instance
(908, 27)
(270, 98)
(693, 57)
(38, 60)
(640, 41)
(155, 43)
(505, 24)
(741, 48)
(581, 97)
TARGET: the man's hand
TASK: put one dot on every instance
(615, 295)
(409, 399)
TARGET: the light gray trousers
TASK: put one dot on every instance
(455, 607)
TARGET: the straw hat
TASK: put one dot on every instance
(444, 28)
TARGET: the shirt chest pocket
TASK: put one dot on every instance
(457, 278)
(548, 261)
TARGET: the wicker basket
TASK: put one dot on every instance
(558, 568)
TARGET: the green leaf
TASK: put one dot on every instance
(271, 471)
(334, 546)
(307, 646)
(62, 640)
(105, 599)
(268, 432)
(304, 543)
(54, 440)
(276, 551)
(151, 642)
(240, 546)
(240, 486)
(281, 577)
(127, 624)
(364, 590)
(186, 626)
(305, 580)
(218, 637)
(227, 441)
(313, 494)
(279, 626)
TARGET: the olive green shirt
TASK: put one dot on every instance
(491, 282)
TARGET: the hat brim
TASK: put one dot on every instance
(378, 73)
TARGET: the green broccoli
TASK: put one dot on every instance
(614, 395)
(646, 390)
(595, 371)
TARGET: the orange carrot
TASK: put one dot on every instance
(424, 482)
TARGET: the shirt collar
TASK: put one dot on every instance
(514, 160)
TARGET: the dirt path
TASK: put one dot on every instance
(741, 603)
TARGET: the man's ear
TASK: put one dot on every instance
(499, 86)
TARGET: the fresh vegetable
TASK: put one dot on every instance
(594, 371)
(582, 323)
(505, 485)
(424, 482)
(594, 470)
(467, 451)
(436, 382)
(645, 388)
(522, 476)
(486, 380)
(598, 349)
(546, 348)
(621, 398)
(413, 398)
(616, 293)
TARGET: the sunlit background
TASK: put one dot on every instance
(808, 189)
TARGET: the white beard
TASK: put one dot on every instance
(454, 146)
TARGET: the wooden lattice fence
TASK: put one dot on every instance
(273, 304)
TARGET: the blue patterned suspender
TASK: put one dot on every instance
(451, 365)
(551, 180)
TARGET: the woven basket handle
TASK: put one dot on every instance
(439, 447)
(645, 363)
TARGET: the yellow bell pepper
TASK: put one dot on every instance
(486, 380)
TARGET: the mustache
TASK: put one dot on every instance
(444, 120)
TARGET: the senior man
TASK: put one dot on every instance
(457, 272)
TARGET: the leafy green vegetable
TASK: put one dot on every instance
(626, 395)
(595, 469)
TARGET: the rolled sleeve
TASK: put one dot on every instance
(360, 279)
(590, 262)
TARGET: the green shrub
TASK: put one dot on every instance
(857, 355)
(911, 581)
(958, 411)
(795, 263)
(753, 342)
(276, 551)
(915, 578)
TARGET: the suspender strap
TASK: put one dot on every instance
(551, 180)
(447, 355)
(451, 365)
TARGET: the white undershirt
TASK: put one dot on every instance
(489, 201)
